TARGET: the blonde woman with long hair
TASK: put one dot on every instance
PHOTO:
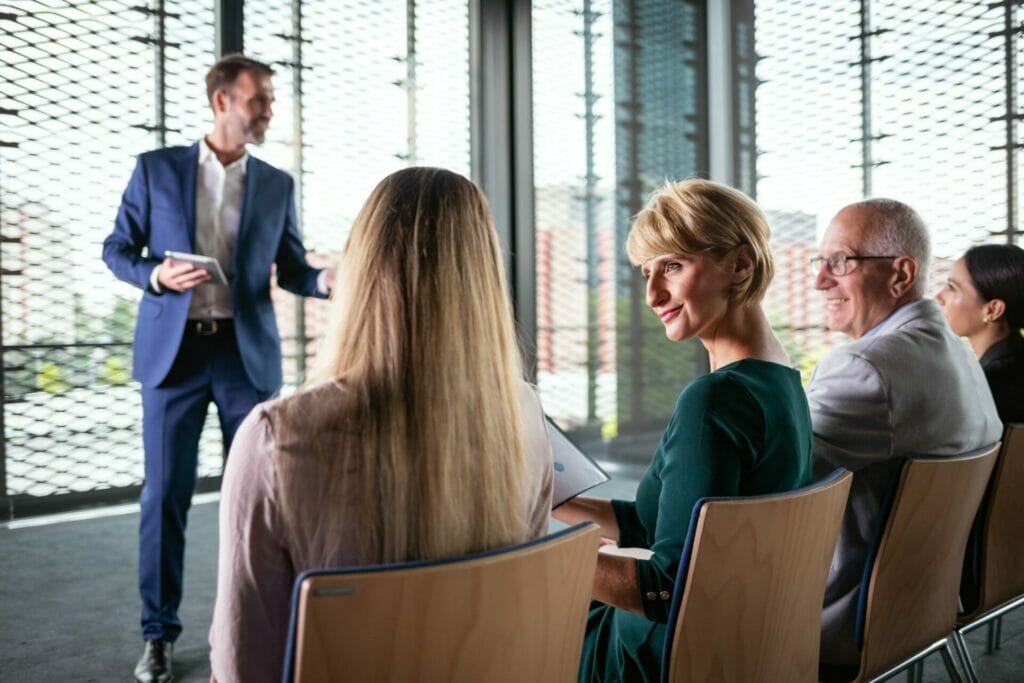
(416, 437)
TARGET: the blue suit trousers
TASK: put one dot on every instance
(207, 368)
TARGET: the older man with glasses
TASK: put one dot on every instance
(905, 385)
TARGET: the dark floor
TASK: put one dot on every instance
(69, 606)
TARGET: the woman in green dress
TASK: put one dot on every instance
(743, 429)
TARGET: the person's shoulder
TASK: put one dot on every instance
(893, 343)
(1006, 354)
(866, 349)
(175, 152)
(712, 390)
(267, 170)
(914, 323)
(165, 159)
(253, 438)
(1004, 372)
(530, 395)
(307, 399)
(260, 418)
(847, 366)
(922, 343)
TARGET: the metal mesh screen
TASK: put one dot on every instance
(909, 100)
(618, 105)
(78, 99)
(384, 85)
(362, 89)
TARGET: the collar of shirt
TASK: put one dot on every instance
(877, 328)
(206, 154)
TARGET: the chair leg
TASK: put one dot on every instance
(947, 659)
(994, 634)
(960, 649)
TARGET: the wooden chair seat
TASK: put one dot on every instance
(909, 600)
(510, 615)
(747, 602)
(994, 575)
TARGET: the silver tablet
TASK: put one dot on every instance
(575, 471)
(208, 263)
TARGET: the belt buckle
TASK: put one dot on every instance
(206, 328)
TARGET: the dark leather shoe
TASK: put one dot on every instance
(155, 663)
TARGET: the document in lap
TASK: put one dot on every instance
(575, 471)
(208, 263)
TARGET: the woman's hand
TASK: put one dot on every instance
(615, 581)
(586, 509)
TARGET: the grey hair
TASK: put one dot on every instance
(899, 230)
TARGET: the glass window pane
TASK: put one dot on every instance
(617, 100)
(924, 122)
(78, 101)
(384, 85)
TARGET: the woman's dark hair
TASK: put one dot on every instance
(998, 273)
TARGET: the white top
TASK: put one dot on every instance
(219, 193)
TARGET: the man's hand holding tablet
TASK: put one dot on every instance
(181, 272)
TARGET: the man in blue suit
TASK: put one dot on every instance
(197, 341)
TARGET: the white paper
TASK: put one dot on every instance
(575, 471)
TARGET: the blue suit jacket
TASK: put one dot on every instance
(157, 214)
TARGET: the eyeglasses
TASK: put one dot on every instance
(837, 264)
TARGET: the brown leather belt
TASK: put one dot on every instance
(208, 328)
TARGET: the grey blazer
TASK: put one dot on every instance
(908, 387)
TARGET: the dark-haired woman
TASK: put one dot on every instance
(983, 300)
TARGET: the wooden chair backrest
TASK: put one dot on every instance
(751, 603)
(513, 615)
(1002, 549)
(915, 580)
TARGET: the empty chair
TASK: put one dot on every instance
(747, 603)
(996, 582)
(908, 603)
(514, 614)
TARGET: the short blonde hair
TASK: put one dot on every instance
(699, 217)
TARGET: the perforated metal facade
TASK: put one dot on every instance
(84, 87)
(917, 100)
(913, 100)
(619, 106)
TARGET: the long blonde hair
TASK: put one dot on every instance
(422, 345)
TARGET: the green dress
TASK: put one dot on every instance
(742, 430)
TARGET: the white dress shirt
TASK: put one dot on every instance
(219, 193)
